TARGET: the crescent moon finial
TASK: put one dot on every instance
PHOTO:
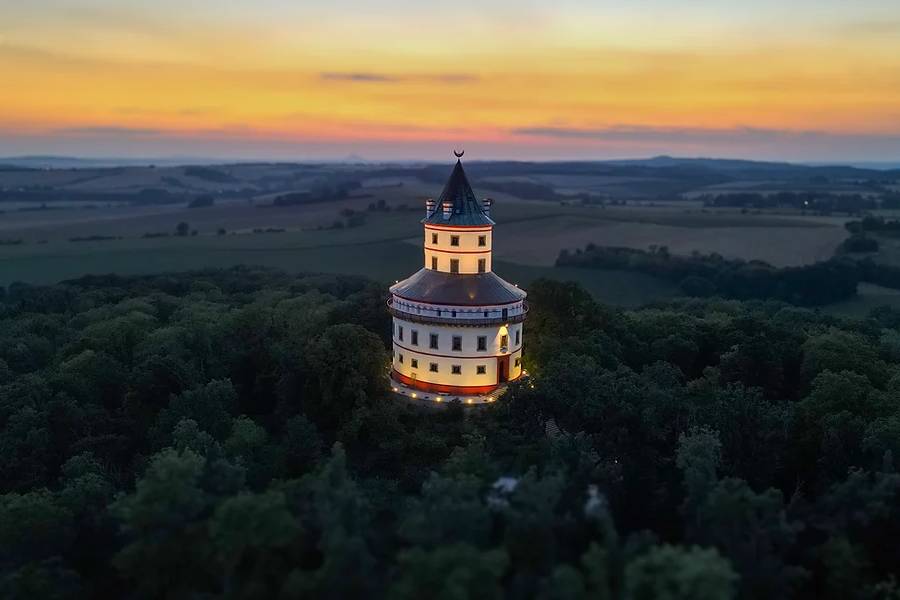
(458, 153)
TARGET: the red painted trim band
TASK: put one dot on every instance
(511, 352)
(459, 251)
(450, 304)
(459, 227)
(438, 388)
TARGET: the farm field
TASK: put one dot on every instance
(36, 246)
(529, 233)
(790, 243)
(383, 248)
(384, 261)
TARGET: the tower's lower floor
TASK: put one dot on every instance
(458, 360)
(447, 389)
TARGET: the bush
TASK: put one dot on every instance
(701, 287)
(859, 244)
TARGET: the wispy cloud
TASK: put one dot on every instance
(113, 131)
(359, 77)
(372, 77)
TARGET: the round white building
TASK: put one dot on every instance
(457, 325)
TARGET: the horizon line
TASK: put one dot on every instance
(353, 158)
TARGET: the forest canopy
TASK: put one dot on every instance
(231, 434)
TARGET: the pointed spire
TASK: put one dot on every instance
(464, 207)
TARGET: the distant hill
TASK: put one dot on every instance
(747, 168)
(74, 162)
(715, 163)
(734, 167)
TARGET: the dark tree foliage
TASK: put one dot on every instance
(821, 201)
(230, 434)
(707, 275)
(859, 243)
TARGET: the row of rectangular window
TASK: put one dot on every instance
(454, 369)
(457, 340)
(454, 240)
(454, 264)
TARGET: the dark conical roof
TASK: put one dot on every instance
(467, 210)
(482, 289)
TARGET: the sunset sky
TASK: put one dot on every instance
(796, 80)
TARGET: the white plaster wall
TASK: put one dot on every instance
(468, 358)
(468, 263)
(468, 252)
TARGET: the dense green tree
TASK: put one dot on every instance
(449, 510)
(451, 572)
(6, 373)
(754, 532)
(674, 573)
(211, 406)
(754, 432)
(118, 336)
(843, 565)
(301, 446)
(163, 436)
(699, 456)
(347, 366)
(599, 572)
(865, 509)
(565, 583)
(33, 526)
(249, 534)
(168, 551)
(837, 350)
(881, 442)
(48, 579)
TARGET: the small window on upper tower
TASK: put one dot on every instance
(454, 265)
(433, 341)
(434, 263)
(434, 238)
(457, 343)
(482, 241)
(482, 265)
(454, 240)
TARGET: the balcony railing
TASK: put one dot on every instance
(457, 320)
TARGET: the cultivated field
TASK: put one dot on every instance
(36, 246)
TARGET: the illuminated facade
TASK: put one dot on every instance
(457, 325)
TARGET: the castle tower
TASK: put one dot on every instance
(457, 325)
